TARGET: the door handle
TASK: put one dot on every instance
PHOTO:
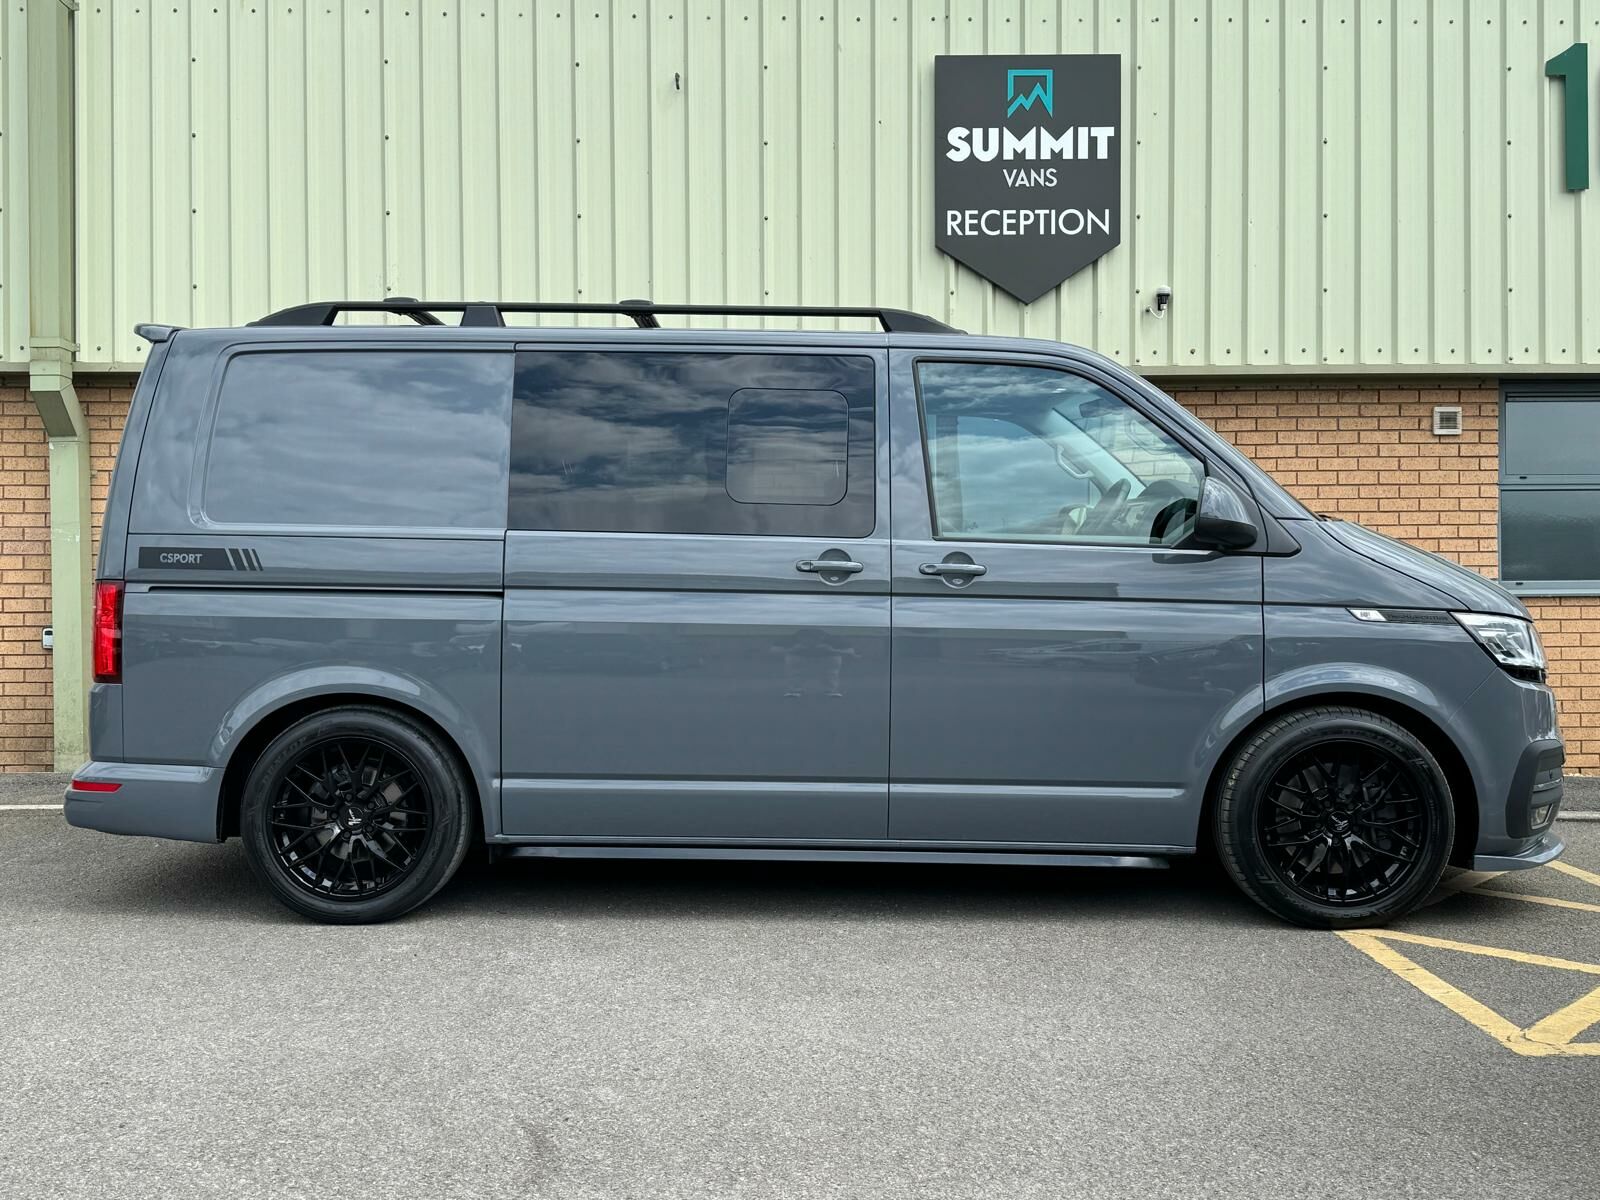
(829, 566)
(964, 570)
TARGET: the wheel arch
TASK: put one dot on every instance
(1420, 724)
(244, 747)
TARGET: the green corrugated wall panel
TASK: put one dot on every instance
(1526, 179)
(1339, 181)
(1343, 184)
(1147, 235)
(1374, 166)
(1261, 190)
(1447, 195)
(13, 187)
(1588, 219)
(1299, 289)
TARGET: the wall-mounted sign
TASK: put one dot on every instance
(1571, 66)
(1027, 177)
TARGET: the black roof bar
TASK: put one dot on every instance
(643, 313)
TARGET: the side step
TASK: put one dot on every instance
(770, 854)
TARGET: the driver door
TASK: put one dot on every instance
(1061, 662)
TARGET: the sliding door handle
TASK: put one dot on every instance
(962, 570)
(829, 566)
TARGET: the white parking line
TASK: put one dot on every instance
(19, 807)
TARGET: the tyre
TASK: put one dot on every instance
(1334, 818)
(356, 815)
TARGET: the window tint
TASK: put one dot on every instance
(1033, 454)
(1550, 491)
(693, 442)
(414, 439)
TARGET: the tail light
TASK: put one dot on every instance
(108, 631)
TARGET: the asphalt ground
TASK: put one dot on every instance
(592, 1029)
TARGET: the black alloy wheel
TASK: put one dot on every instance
(1334, 817)
(356, 814)
(351, 818)
(1343, 823)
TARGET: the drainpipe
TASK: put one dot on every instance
(46, 125)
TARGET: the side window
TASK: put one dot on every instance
(626, 441)
(1550, 490)
(396, 439)
(1021, 453)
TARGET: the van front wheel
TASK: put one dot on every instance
(356, 815)
(1335, 818)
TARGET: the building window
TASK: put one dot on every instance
(1550, 489)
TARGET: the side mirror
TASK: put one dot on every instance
(1223, 521)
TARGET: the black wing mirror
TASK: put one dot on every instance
(1224, 520)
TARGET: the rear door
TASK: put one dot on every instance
(1062, 665)
(697, 595)
(316, 518)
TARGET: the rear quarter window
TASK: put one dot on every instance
(391, 439)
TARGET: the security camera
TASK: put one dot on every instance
(1162, 302)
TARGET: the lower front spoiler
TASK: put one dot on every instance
(1546, 849)
(150, 800)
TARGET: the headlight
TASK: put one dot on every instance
(1510, 641)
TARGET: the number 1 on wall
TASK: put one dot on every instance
(1571, 66)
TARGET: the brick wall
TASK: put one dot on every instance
(24, 585)
(1366, 453)
(25, 693)
(1369, 454)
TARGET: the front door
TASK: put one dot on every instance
(697, 596)
(1062, 664)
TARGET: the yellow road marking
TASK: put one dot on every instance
(1567, 1023)
(1547, 1037)
(1521, 956)
(1576, 872)
(1452, 997)
(1552, 901)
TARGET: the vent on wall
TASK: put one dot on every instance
(1447, 419)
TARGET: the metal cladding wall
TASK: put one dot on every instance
(1325, 185)
(13, 186)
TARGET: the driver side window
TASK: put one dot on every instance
(1033, 454)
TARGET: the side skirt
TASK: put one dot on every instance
(865, 855)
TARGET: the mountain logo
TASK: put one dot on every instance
(1043, 90)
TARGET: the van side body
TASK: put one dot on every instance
(945, 691)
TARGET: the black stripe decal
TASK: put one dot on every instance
(233, 557)
(255, 558)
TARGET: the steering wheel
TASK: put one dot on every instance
(1100, 518)
(1173, 513)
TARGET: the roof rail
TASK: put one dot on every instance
(644, 313)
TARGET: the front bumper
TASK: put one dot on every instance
(1507, 732)
(151, 800)
(1546, 849)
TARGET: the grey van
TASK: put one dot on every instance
(371, 595)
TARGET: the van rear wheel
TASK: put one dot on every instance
(356, 815)
(1335, 818)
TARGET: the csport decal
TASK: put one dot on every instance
(199, 558)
